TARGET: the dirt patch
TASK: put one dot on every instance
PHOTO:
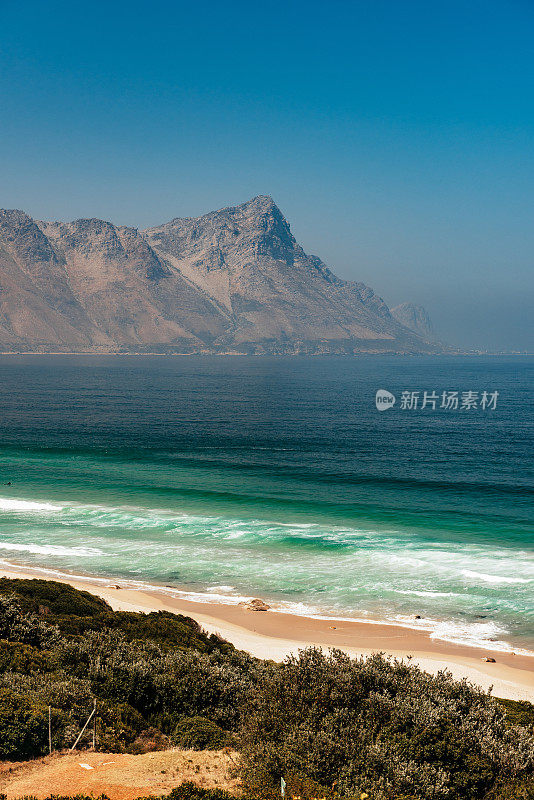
(119, 776)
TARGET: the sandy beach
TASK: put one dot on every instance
(274, 635)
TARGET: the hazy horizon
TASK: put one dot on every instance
(396, 139)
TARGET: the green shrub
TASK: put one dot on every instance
(28, 660)
(378, 726)
(149, 740)
(331, 726)
(23, 725)
(24, 702)
(518, 712)
(190, 791)
(53, 598)
(199, 733)
(513, 790)
(139, 682)
(76, 612)
(166, 685)
(118, 726)
(516, 790)
(16, 626)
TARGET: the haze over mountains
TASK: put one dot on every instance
(234, 280)
(415, 318)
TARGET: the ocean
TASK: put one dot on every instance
(224, 478)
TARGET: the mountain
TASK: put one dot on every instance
(234, 280)
(415, 318)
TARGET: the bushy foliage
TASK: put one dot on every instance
(16, 626)
(139, 683)
(57, 599)
(190, 791)
(148, 741)
(23, 724)
(331, 726)
(199, 733)
(164, 685)
(380, 727)
(24, 702)
(512, 790)
(519, 712)
(76, 612)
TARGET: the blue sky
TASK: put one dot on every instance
(396, 135)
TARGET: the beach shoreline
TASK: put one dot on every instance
(274, 634)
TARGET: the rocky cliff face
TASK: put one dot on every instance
(415, 318)
(234, 280)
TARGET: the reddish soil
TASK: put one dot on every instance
(119, 776)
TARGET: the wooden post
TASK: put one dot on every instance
(49, 730)
(94, 727)
(89, 718)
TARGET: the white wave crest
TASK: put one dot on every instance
(207, 597)
(8, 504)
(224, 589)
(422, 593)
(482, 635)
(51, 549)
(493, 578)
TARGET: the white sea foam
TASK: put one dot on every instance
(206, 597)
(130, 583)
(220, 589)
(302, 525)
(420, 593)
(493, 578)
(9, 504)
(50, 571)
(51, 549)
(375, 562)
(482, 635)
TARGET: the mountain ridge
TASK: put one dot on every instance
(414, 317)
(232, 280)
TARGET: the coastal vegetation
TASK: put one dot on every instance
(330, 726)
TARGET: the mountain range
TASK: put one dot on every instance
(231, 281)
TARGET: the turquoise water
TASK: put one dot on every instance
(226, 478)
